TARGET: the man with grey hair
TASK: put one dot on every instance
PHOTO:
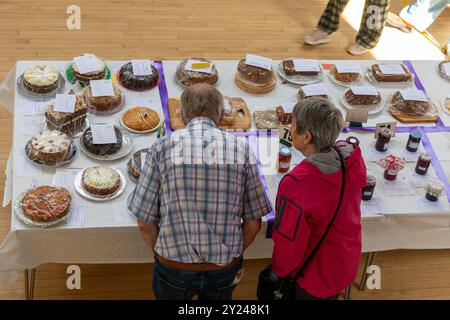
(199, 202)
(317, 227)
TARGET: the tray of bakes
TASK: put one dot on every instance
(72, 124)
(51, 148)
(130, 81)
(43, 206)
(398, 76)
(134, 165)
(254, 79)
(266, 119)
(441, 69)
(100, 183)
(196, 70)
(345, 79)
(140, 120)
(352, 101)
(104, 105)
(109, 151)
(41, 81)
(73, 74)
(409, 111)
(287, 72)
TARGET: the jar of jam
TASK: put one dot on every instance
(284, 159)
(414, 141)
(423, 163)
(353, 140)
(367, 191)
(383, 139)
(390, 174)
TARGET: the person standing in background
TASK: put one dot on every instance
(372, 24)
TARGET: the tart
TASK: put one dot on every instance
(133, 82)
(102, 149)
(141, 119)
(41, 79)
(382, 77)
(346, 77)
(94, 75)
(360, 99)
(106, 104)
(135, 165)
(100, 181)
(49, 147)
(190, 77)
(69, 123)
(46, 203)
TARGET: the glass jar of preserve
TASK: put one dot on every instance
(383, 139)
(414, 141)
(367, 192)
(284, 159)
(423, 163)
(390, 174)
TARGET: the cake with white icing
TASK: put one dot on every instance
(101, 180)
(41, 79)
(49, 147)
(98, 74)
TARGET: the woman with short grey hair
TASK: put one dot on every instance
(317, 230)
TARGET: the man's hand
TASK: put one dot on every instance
(149, 232)
(250, 229)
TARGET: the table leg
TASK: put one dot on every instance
(370, 259)
(30, 276)
(348, 293)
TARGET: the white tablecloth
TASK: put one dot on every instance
(103, 240)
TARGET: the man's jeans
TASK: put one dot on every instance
(174, 284)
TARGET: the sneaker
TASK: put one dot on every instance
(395, 21)
(357, 50)
(317, 37)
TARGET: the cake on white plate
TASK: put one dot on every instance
(101, 180)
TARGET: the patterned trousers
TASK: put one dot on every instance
(372, 22)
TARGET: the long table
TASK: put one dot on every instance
(109, 234)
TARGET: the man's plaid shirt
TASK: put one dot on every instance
(197, 185)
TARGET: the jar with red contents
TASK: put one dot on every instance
(423, 163)
(368, 190)
(391, 174)
(284, 159)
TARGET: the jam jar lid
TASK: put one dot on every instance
(284, 151)
(371, 181)
(425, 156)
(416, 134)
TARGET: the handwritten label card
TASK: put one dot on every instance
(432, 206)
(392, 68)
(121, 213)
(347, 67)
(399, 187)
(141, 67)
(65, 178)
(198, 66)
(25, 168)
(357, 115)
(413, 95)
(78, 215)
(315, 89)
(87, 63)
(30, 128)
(65, 103)
(372, 208)
(303, 65)
(258, 61)
(103, 133)
(365, 91)
(101, 88)
(34, 107)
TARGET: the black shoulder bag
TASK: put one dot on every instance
(272, 287)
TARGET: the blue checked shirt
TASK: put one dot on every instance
(198, 185)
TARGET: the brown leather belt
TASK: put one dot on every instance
(196, 266)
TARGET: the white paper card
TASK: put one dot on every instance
(315, 89)
(25, 168)
(447, 69)
(143, 156)
(78, 215)
(189, 67)
(65, 178)
(392, 68)
(413, 95)
(101, 88)
(103, 133)
(30, 128)
(347, 67)
(432, 206)
(65, 103)
(148, 102)
(142, 67)
(365, 91)
(412, 156)
(372, 208)
(87, 63)
(288, 107)
(121, 213)
(258, 61)
(34, 107)
(399, 187)
(302, 65)
(419, 181)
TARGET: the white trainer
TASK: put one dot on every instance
(317, 37)
(357, 50)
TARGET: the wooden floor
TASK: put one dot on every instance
(174, 29)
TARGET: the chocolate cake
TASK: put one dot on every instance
(41, 79)
(381, 77)
(360, 99)
(46, 203)
(102, 149)
(409, 107)
(134, 164)
(69, 123)
(254, 74)
(104, 104)
(133, 82)
(289, 70)
(301, 95)
(101, 180)
(94, 75)
(49, 147)
(189, 77)
(346, 77)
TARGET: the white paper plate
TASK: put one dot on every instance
(405, 84)
(127, 147)
(89, 196)
(373, 109)
(299, 80)
(122, 124)
(22, 217)
(344, 84)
